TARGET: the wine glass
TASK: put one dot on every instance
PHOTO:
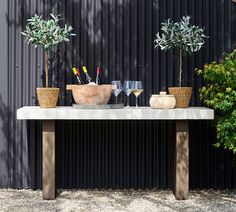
(116, 88)
(138, 89)
(128, 89)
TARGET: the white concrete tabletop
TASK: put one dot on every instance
(132, 113)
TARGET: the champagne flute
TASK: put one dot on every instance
(128, 89)
(116, 88)
(138, 89)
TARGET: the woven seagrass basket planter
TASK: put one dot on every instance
(47, 97)
(182, 96)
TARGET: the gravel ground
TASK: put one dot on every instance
(116, 200)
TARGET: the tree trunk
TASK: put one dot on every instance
(180, 67)
(46, 67)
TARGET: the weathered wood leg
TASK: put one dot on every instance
(181, 160)
(49, 187)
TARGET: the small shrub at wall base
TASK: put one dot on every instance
(220, 94)
(188, 39)
(47, 34)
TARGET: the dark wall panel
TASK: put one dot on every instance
(4, 96)
(118, 36)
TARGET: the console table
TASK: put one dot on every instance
(181, 117)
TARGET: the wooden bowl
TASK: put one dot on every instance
(90, 94)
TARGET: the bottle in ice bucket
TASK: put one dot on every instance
(88, 78)
(76, 72)
(98, 79)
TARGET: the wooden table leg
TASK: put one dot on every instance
(181, 166)
(49, 187)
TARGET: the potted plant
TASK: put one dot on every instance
(220, 94)
(46, 33)
(187, 39)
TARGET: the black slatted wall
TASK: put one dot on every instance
(118, 36)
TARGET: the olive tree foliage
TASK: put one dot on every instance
(183, 35)
(46, 33)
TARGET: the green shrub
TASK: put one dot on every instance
(220, 94)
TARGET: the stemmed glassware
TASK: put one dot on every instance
(116, 88)
(128, 89)
(135, 87)
(138, 89)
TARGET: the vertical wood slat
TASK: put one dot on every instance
(181, 160)
(49, 177)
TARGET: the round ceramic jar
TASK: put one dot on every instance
(162, 101)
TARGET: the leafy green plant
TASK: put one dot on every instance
(182, 35)
(220, 94)
(47, 34)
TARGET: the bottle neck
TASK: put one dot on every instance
(98, 70)
(88, 77)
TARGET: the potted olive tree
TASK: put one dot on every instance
(188, 39)
(46, 33)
